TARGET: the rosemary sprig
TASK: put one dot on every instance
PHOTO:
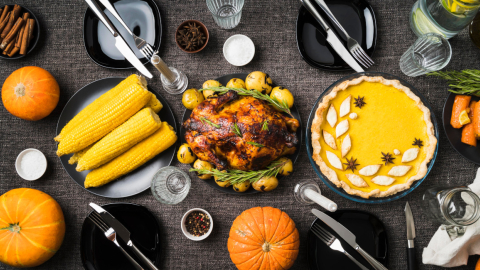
(465, 82)
(205, 120)
(265, 125)
(238, 176)
(283, 106)
(256, 144)
(237, 130)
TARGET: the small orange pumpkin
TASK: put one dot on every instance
(30, 93)
(263, 238)
(32, 227)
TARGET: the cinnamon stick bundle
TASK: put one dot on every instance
(13, 17)
(12, 34)
(27, 36)
(4, 22)
(5, 11)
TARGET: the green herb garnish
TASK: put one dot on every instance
(465, 82)
(256, 144)
(237, 130)
(265, 125)
(205, 120)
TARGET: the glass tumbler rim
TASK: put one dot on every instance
(446, 199)
(214, 12)
(445, 43)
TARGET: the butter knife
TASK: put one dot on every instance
(412, 265)
(332, 38)
(349, 237)
(120, 43)
(122, 232)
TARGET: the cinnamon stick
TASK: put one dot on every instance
(12, 34)
(9, 25)
(9, 47)
(5, 11)
(18, 41)
(14, 51)
(4, 23)
(25, 38)
(31, 23)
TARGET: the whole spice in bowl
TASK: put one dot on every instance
(191, 36)
(197, 224)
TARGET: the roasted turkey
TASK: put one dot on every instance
(239, 132)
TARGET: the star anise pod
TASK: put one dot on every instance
(418, 143)
(351, 164)
(359, 102)
(387, 158)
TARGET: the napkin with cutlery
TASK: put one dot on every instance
(447, 252)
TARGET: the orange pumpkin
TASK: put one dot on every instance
(263, 238)
(30, 93)
(32, 227)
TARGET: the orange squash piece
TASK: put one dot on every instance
(476, 120)
(32, 227)
(461, 103)
(263, 238)
(468, 131)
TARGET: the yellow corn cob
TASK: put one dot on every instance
(154, 103)
(133, 158)
(137, 128)
(83, 115)
(76, 156)
(107, 118)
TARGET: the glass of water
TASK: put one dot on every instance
(170, 185)
(226, 13)
(431, 52)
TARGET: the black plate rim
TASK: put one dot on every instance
(82, 239)
(336, 68)
(445, 128)
(165, 106)
(250, 191)
(340, 191)
(145, 60)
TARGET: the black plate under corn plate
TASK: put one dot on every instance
(134, 182)
(224, 80)
(98, 253)
(455, 135)
(370, 234)
(358, 19)
(141, 16)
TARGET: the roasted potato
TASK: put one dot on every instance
(200, 164)
(191, 98)
(222, 183)
(236, 83)
(266, 184)
(282, 95)
(287, 167)
(185, 154)
(241, 187)
(259, 81)
(210, 83)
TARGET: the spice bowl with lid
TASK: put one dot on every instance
(31, 164)
(197, 224)
(191, 36)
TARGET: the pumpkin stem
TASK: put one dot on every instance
(266, 247)
(13, 228)
(20, 90)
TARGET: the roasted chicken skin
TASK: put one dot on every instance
(212, 135)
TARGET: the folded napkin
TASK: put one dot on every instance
(447, 252)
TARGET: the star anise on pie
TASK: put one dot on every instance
(387, 158)
(359, 102)
(351, 164)
(418, 143)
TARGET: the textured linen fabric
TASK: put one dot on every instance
(271, 25)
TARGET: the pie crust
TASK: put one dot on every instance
(320, 116)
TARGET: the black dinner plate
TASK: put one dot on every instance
(455, 135)
(370, 234)
(134, 182)
(99, 253)
(141, 16)
(224, 80)
(356, 17)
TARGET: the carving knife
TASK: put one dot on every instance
(120, 43)
(349, 237)
(410, 237)
(123, 232)
(332, 38)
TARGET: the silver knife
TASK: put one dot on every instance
(122, 232)
(412, 265)
(349, 237)
(120, 43)
(332, 38)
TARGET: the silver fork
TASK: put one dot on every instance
(111, 235)
(355, 49)
(331, 241)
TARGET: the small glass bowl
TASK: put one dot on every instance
(189, 235)
(170, 185)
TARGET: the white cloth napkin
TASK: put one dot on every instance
(446, 252)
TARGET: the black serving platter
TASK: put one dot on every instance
(141, 16)
(357, 18)
(99, 253)
(211, 182)
(135, 182)
(370, 234)
(455, 135)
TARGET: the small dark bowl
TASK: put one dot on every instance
(203, 28)
(36, 33)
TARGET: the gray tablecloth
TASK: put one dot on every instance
(271, 25)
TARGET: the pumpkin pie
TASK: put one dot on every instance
(373, 137)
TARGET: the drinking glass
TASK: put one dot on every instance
(431, 52)
(226, 13)
(170, 185)
(454, 207)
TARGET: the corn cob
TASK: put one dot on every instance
(137, 128)
(83, 115)
(133, 158)
(76, 156)
(107, 118)
(154, 103)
